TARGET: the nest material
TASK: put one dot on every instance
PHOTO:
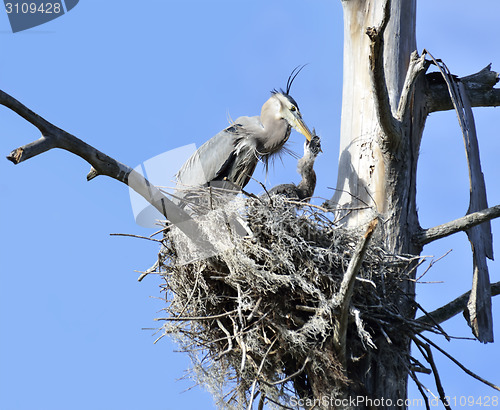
(258, 315)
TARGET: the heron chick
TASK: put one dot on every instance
(305, 188)
(228, 159)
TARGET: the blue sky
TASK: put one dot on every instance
(136, 79)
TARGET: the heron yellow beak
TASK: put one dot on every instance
(301, 127)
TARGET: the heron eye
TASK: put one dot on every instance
(293, 108)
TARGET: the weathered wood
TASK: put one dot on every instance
(379, 147)
(480, 316)
(478, 86)
(343, 297)
(479, 307)
(453, 308)
(425, 236)
(391, 127)
(361, 171)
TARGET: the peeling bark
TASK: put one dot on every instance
(479, 87)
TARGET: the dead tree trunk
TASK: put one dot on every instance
(384, 109)
(382, 122)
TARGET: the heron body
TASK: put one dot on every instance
(229, 158)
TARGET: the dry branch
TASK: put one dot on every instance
(453, 308)
(389, 124)
(479, 88)
(343, 298)
(102, 164)
(417, 66)
(462, 224)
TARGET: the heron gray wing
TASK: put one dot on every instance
(209, 160)
(231, 154)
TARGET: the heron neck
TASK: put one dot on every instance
(275, 134)
(308, 183)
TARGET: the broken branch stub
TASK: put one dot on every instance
(343, 298)
(479, 89)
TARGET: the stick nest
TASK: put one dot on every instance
(258, 317)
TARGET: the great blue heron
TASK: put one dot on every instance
(305, 188)
(229, 159)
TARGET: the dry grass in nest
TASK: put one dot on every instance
(259, 316)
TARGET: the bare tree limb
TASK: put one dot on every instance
(390, 125)
(426, 236)
(343, 298)
(453, 308)
(102, 164)
(479, 88)
(417, 66)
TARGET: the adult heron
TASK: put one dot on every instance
(229, 158)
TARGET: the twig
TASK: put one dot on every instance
(292, 202)
(427, 353)
(426, 236)
(264, 188)
(419, 367)
(187, 318)
(254, 310)
(258, 373)
(343, 298)
(240, 303)
(420, 388)
(136, 236)
(281, 405)
(434, 323)
(308, 309)
(349, 193)
(148, 271)
(469, 372)
(431, 264)
(195, 288)
(229, 341)
(293, 375)
(262, 401)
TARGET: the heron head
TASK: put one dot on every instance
(289, 111)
